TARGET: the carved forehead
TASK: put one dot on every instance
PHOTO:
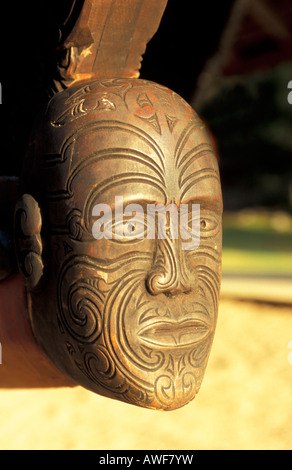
(115, 113)
(122, 128)
(126, 159)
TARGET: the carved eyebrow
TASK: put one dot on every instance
(195, 177)
(116, 153)
(209, 204)
(115, 126)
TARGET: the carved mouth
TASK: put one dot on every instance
(173, 333)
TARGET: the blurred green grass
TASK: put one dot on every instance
(257, 242)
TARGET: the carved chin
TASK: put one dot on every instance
(160, 344)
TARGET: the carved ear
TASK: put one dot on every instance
(27, 233)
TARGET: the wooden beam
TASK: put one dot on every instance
(109, 39)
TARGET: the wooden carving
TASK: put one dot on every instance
(125, 315)
(123, 293)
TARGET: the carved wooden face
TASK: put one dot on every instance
(125, 314)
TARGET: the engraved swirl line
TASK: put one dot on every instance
(113, 126)
(166, 256)
(195, 177)
(115, 153)
(211, 281)
(203, 249)
(208, 272)
(122, 327)
(186, 133)
(104, 265)
(78, 301)
(167, 264)
(82, 320)
(194, 155)
(198, 357)
(101, 90)
(122, 296)
(109, 379)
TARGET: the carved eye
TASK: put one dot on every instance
(203, 224)
(209, 224)
(107, 230)
(129, 230)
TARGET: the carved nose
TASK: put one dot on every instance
(158, 283)
(168, 275)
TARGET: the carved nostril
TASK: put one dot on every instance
(154, 283)
(158, 283)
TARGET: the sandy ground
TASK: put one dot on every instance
(245, 401)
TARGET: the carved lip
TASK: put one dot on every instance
(175, 333)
